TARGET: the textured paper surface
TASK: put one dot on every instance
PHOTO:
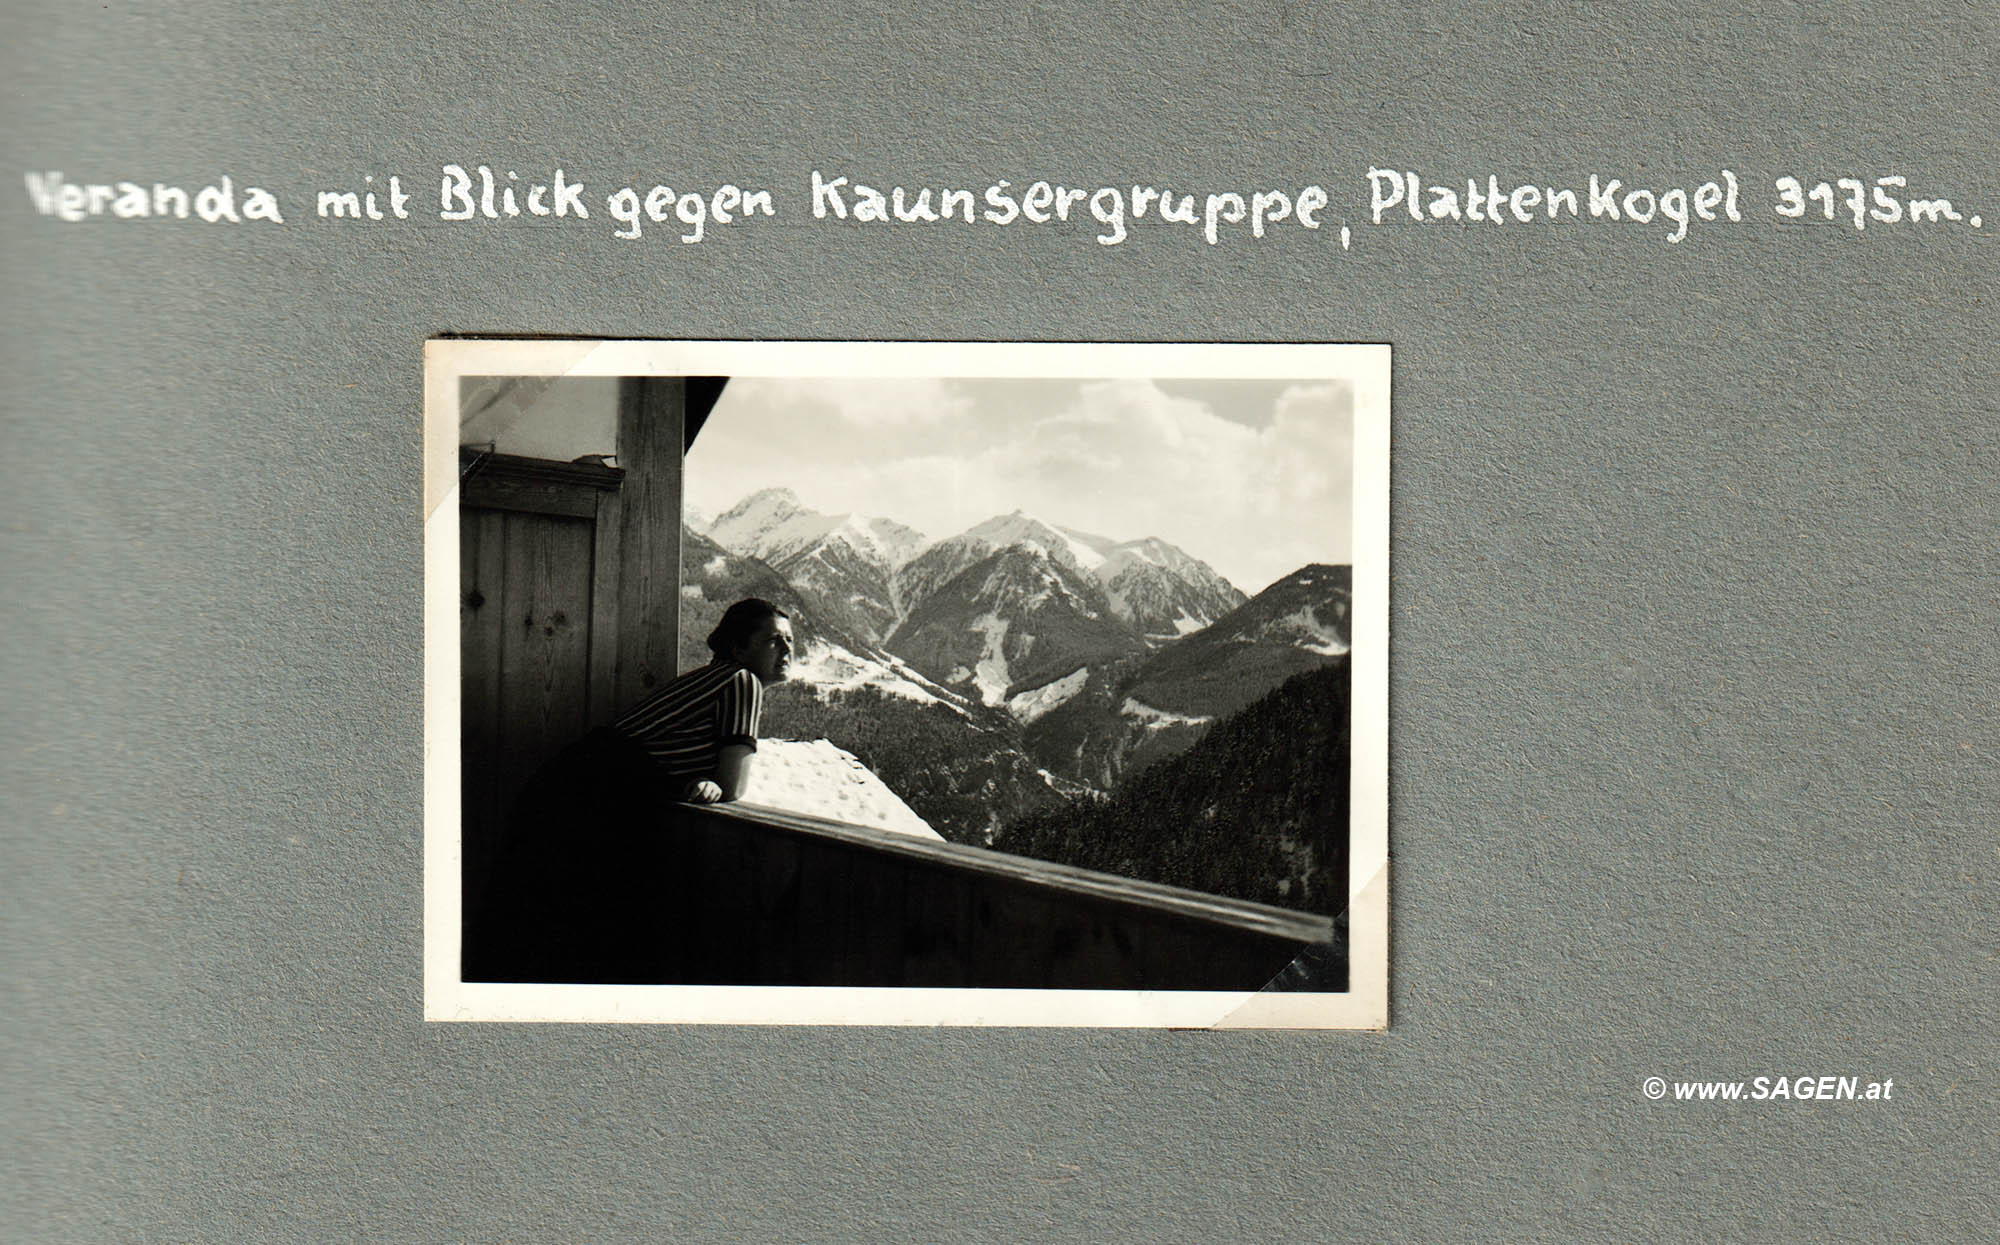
(1364, 1005)
(1693, 614)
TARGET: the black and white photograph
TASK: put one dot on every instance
(886, 683)
(1095, 622)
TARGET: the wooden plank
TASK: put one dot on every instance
(604, 705)
(517, 497)
(775, 900)
(1015, 929)
(1098, 951)
(1171, 955)
(1087, 884)
(773, 905)
(876, 896)
(544, 668)
(1181, 954)
(483, 468)
(728, 879)
(937, 921)
(536, 485)
(482, 548)
(819, 940)
(651, 412)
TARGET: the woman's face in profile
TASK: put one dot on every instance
(768, 652)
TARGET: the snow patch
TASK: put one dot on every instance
(1119, 605)
(918, 679)
(819, 779)
(1312, 635)
(833, 668)
(1156, 719)
(1068, 788)
(1183, 626)
(1038, 703)
(990, 675)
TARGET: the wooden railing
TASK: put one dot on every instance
(779, 898)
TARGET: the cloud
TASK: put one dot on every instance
(1127, 460)
(1311, 440)
(860, 404)
(1120, 458)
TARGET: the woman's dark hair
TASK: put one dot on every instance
(739, 622)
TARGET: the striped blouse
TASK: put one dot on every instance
(684, 726)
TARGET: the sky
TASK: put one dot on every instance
(1252, 477)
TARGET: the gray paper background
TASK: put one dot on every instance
(1694, 593)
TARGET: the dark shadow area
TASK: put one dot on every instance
(742, 895)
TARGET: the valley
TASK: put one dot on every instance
(1016, 674)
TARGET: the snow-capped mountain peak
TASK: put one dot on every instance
(749, 525)
(773, 525)
(1155, 589)
(889, 542)
(1020, 528)
(849, 561)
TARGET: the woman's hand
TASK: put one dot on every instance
(732, 778)
(732, 771)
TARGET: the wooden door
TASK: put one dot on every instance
(536, 564)
(569, 604)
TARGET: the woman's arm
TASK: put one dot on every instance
(732, 770)
(739, 707)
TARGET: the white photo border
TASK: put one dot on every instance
(1365, 1003)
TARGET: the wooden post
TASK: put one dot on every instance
(651, 415)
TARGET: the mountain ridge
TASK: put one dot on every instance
(1022, 665)
(873, 574)
(1257, 809)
